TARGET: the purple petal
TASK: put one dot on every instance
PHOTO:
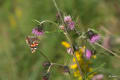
(94, 38)
(88, 54)
(36, 32)
(71, 25)
(98, 77)
(67, 19)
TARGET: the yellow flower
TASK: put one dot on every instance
(74, 60)
(18, 12)
(94, 56)
(84, 65)
(66, 44)
(12, 21)
(80, 78)
(90, 76)
(73, 66)
(76, 74)
(90, 69)
(82, 50)
(78, 55)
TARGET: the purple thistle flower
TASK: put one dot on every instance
(88, 54)
(94, 38)
(67, 19)
(71, 25)
(98, 77)
(37, 31)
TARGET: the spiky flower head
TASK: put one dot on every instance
(88, 54)
(93, 37)
(38, 31)
(67, 19)
(69, 22)
(98, 77)
(71, 25)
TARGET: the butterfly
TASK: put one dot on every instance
(32, 41)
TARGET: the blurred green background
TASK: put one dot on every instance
(16, 22)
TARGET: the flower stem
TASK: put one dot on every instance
(45, 21)
(55, 4)
(67, 36)
(113, 53)
(49, 68)
(45, 56)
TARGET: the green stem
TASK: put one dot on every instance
(57, 64)
(68, 37)
(45, 56)
(45, 21)
(115, 54)
(49, 68)
(55, 4)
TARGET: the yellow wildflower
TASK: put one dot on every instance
(90, 69)
(73, 66)
(84, 65)
(82, 50)
(18, 12)
(94, 56)
(80, 78)
(66, 44)
(12, 21)
(76, 74)
(77, 55)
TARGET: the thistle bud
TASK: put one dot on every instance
(38, 30)
(66, 69)
(46, 64)
(46, 76)
(62, 27)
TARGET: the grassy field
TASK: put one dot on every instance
(17, 21)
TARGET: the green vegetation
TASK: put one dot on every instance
(17, 21)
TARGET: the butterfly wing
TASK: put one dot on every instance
(32, 41)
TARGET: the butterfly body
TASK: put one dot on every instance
(32, 41)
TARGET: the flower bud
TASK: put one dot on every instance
(46, 64)
(62, 27)
(66, 69)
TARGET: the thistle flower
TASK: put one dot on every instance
(71, 25)
(88, 54)
(106, 43)
(69, 22)
(67, 19)
(45, 78)
(46, 64)
(38, 31)
(66, 69)
(93, 37)
(98, 77)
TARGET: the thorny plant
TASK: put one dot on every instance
(81, 54)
